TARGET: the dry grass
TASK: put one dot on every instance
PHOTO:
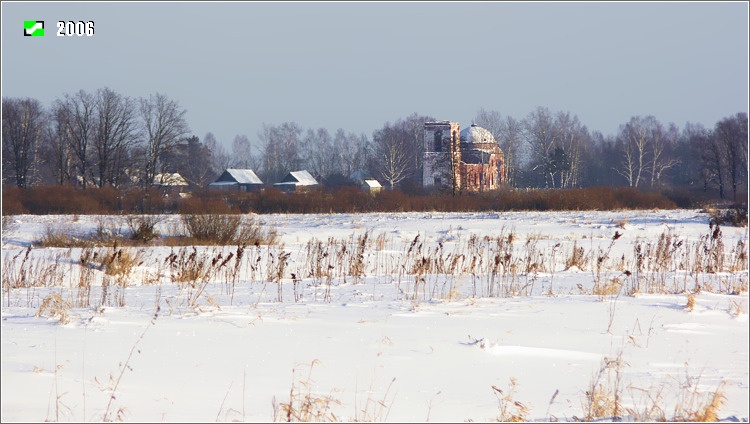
(120, 262)
(609, 287)
(577, 257)
(56, 307)
(303, 404)
(691, 404)
(690, 302)
(736, 308)
(603, 397)
(510, 410)
(700, 407)
(58, 238)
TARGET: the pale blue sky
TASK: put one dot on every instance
(237, 65)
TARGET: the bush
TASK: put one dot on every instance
(343, 199)
(13, 201)
(734, 215)
(227, 229)
(142, 228)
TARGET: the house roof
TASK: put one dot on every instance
(372, 183)
(241, 176)
(298, 178)
(167, 179)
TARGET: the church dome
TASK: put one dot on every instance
(476, 135)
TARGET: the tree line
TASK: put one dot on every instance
(106, 138)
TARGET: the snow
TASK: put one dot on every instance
(381, 349)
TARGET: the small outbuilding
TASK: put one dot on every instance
(296, 181)
(371, 186)
(238, 179)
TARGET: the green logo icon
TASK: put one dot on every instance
(33, 28)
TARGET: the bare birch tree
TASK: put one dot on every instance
(393, 154)
(571, 138)
(662, 146)
(633, 139)
(540, 133)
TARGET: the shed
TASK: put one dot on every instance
(239, 179)
(296, 180)
(371, 186)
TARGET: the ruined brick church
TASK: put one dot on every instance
(467, 160)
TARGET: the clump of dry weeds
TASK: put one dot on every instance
(303, 404)
(54, 306)
(510, 410)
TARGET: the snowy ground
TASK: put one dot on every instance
(397, 343)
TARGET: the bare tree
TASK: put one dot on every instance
(353, 152)
(601, 157)
(393, 154)
(732, 134)
(79, 115)
(508, 133)
(280, 150)
(23, 125)
(713, 157)
(242, 153)
(646, 150)
(115, 132)
(58, 145)
(572, 136)
(164, 126)
(540, 133)
(218, 159)
(662, 152)
(318, 153)
(634, 139)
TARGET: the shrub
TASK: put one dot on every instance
(733, 215)
(57, 238)
(344, 199)
(222, 229)
(142, 227)
(12, 201)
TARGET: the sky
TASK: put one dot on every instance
(235, 66)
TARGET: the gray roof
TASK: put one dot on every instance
(372, 183)
(241, 176)
(298, 178)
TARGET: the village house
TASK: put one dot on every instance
(296, 181)
(461, 160)
(238, 179)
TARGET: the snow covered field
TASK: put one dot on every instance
(405, 317)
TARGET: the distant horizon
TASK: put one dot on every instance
(356, 66)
